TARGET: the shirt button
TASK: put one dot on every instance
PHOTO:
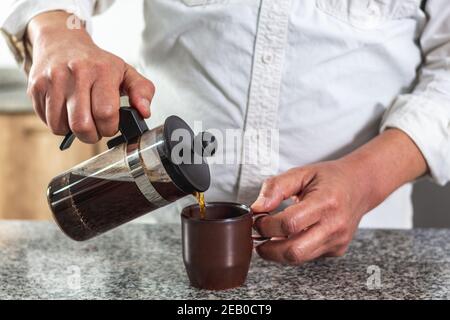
(267, 58)
(374, 10)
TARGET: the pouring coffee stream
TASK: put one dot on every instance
(143, 170)
(201, 204)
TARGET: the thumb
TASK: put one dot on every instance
(276, 189)
(139, 90)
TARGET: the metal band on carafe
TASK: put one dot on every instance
(143, 175)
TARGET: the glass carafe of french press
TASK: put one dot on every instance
(143, 170)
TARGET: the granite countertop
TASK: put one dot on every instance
(143, 261)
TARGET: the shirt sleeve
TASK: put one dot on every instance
(424, 114)
(13, 23)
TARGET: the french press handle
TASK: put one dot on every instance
(131, 126)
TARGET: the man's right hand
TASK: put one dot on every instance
(76, 85)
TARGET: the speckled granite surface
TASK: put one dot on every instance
(144, 262)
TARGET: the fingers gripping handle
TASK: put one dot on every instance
(131, 126)
(257, 238)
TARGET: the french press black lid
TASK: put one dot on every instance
(190, 176)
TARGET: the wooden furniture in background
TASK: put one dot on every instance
(29, 158)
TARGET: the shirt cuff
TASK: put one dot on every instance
(427, 122)
(23, 11)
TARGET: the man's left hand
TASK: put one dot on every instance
(328, 204)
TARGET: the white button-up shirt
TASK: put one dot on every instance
(325, 75)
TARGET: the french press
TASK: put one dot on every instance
(141, 171)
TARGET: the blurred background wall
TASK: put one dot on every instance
(29, 153)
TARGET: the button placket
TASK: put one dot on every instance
(264, 96)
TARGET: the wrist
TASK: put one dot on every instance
(369, 188)
(384, 164)
(52, 25)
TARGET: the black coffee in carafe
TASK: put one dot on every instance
(142, 171)
(107, 204)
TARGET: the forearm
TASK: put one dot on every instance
(384, 164)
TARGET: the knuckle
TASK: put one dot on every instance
(90, 140)
(144, 86)
(80, 126)
(37, 85)
(79, 67)
(105, 113)
(119, 62)
(53, 124)
(346, 238)
(57, 74)
(338, 227)
(338, 231)
(102, 67)
(294, 255)
(333, 202)
(58, 129)
(150, 86)
(288, 226)
(93, 139)
(108, 132)
(57, 126)
(115, 61)
(261, 251)
(271, 183)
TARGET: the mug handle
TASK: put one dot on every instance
(256, 237)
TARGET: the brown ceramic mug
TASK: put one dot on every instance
(217, 250)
